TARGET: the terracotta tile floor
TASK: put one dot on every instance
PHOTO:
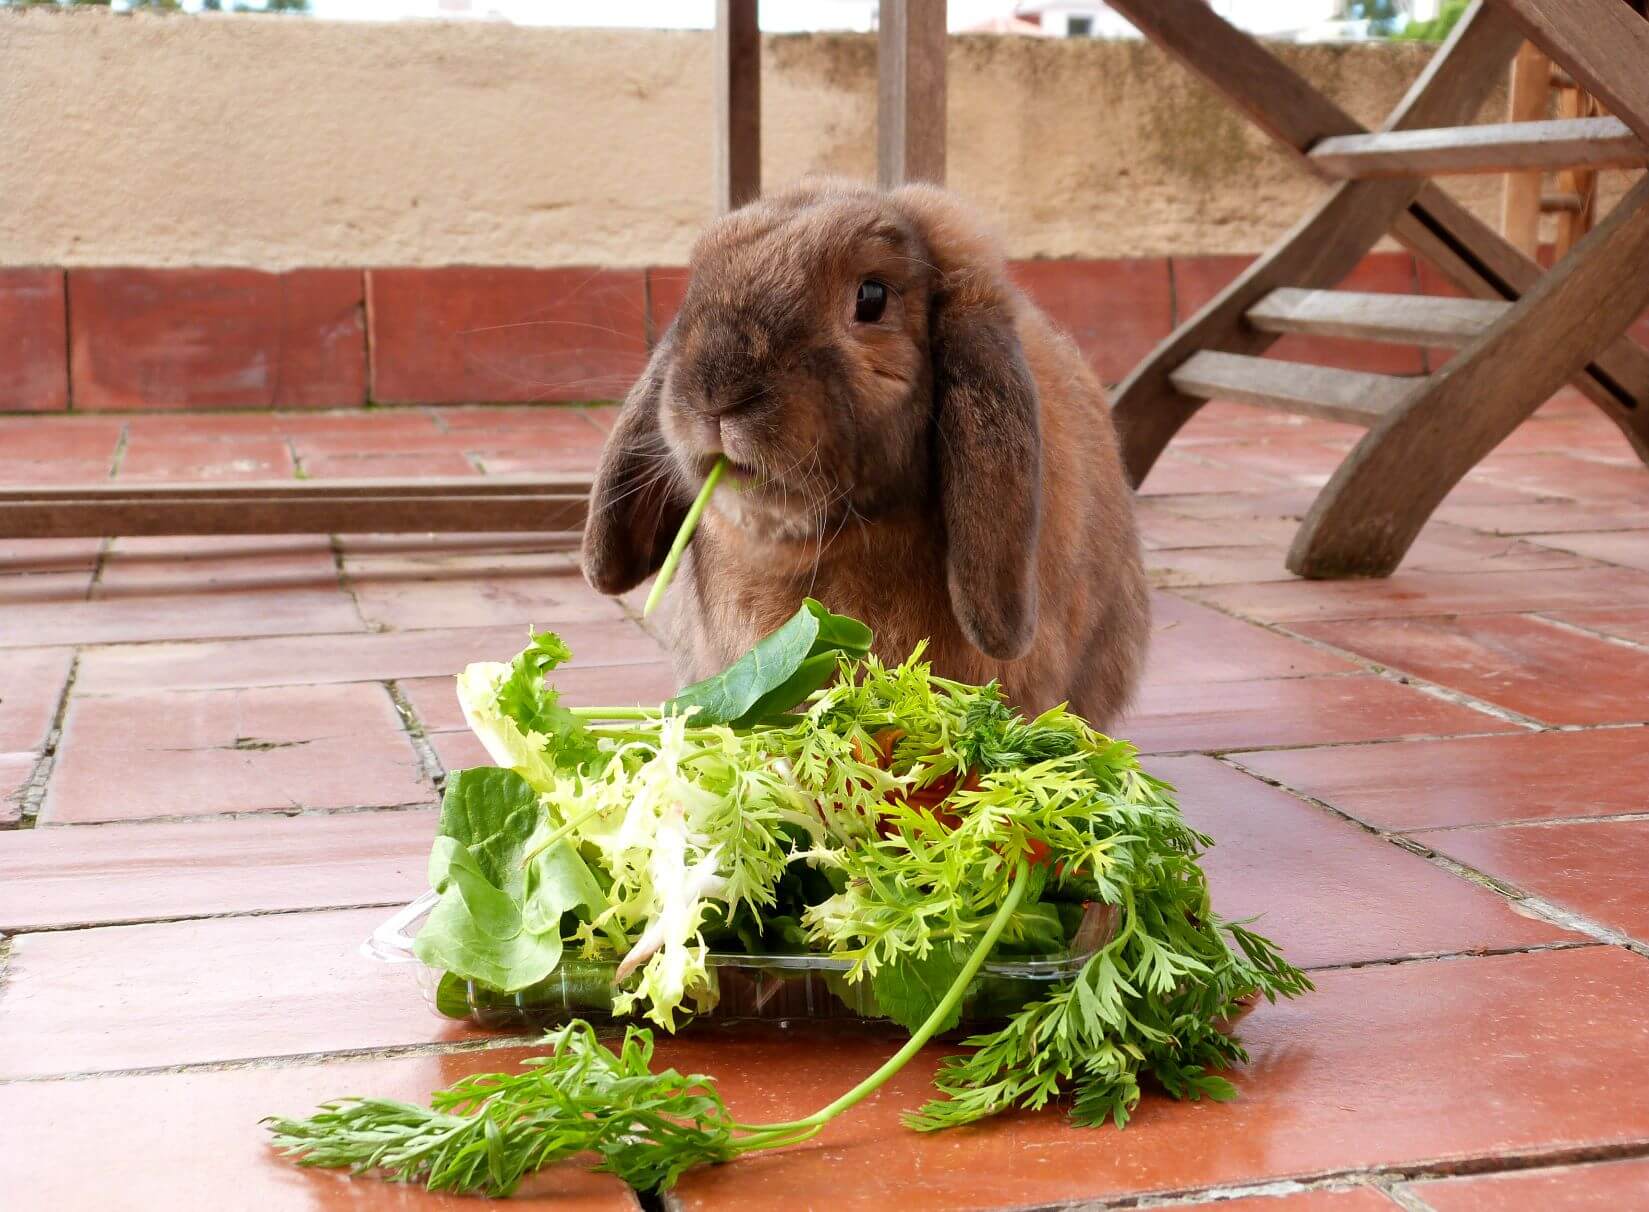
(218, 760)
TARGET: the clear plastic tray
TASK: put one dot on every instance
(746, 987)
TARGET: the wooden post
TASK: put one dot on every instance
(738, 88)
(1530, 95)
(910, 99)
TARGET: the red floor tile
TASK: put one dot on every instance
(1563, 475)
(31, 685)
(201, 565)
(1511, 1053)
(388, 466)
(1291, 457)
(250, 458)
(436, 701)
(15, 771)
(166, 616)
(111, 874)
(1440, 548)
(380, 771)
(575, 439)
(563, 422)
(1215, 566)
(70, 439)
(1422, 593)
(252, 750)
(1595, 868)
(1540, 516)
(192, 1140)
(456, 334)
(302, 660)
(178, 993)
(1325, 891)
(1525, 664)
(1288, 503)
(216, 338)
(1292, 711)
(33, 375)
(1163, 529)
(164, 427)
(1178, 474)
(1605, 1186)
(549, 462)
(1628, 623)
(476, 591)
(1626, 547)
(1474, 780)
(1195, 645)
(459, 750)
(408, 431)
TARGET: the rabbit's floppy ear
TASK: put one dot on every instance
(635, 507)
(989, 439)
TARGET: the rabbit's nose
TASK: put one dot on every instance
(724, 401)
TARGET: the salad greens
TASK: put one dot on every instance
(810, 796)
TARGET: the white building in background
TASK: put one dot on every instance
(1302, 19)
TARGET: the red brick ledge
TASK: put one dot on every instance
(119, 339)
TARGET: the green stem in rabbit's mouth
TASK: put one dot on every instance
(689, 524)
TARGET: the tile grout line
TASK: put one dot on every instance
(1381, 1177)
(1591, 633)
(33, 799)
(1373, 742)
(290, 1060)
(249, 814)
(346, 586)
(1528, 822)
(225, 915)
(1446, 957)
(368, 630)
(417, 734)
(1517, 899)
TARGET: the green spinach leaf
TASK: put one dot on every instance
(498, 921)
(911, 989)
(780, 671)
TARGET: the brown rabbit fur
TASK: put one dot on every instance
(942, 467)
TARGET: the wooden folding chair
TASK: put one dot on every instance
(1523, 334)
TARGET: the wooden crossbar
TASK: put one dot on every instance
(1497, 148)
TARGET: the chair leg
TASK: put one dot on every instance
(1376, 503)
(1481, 262)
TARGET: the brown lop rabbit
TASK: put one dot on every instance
(910, 440)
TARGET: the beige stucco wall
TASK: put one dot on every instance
(277, 142)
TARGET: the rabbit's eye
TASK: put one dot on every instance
(871, 303)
